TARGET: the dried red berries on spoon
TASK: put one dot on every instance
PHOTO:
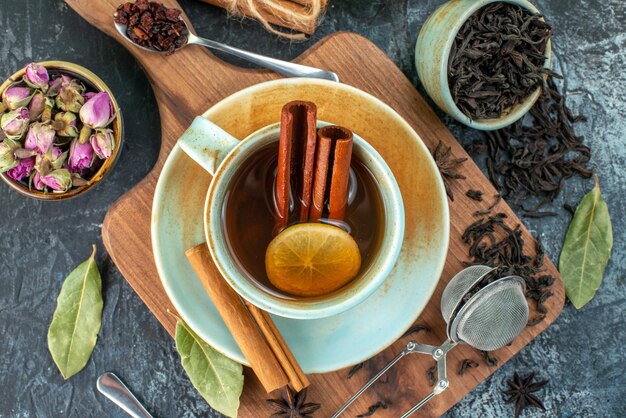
(152, 25)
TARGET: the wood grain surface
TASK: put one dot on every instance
(189, 82)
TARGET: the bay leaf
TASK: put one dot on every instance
(76, 321)
(586, 249)
(216, 377)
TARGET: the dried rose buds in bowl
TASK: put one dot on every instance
(60, 130)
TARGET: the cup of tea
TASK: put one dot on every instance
(239, 217)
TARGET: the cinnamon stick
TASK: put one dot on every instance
(332, 173)
(296, 158)
(283, 353)
(249, 336)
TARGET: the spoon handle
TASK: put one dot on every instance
(283, 67)
(113, 388)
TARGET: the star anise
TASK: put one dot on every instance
(292, 405)
(521, 392)
(448, 166)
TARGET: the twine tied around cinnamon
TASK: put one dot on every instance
(287, 13)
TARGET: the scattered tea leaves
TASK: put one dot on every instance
(494, 243)
(530, 160)
(430, 374)
(586, 249)
(476, 195)
(488, 358)
(466, 364)
(216, 377)
(448, 166)
(76, 321)
(373, 408)
(535, 214)
(354, 369)
(569, 208)
(415, 329)
(497, 199)
(536, 320)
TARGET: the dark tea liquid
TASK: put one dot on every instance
(249, 213)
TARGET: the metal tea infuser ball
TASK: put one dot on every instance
(486, 319)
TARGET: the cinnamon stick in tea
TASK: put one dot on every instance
(253, 329)
(332, 173)
(296, 157)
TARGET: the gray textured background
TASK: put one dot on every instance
(582, 353)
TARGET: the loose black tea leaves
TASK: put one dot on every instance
(354, 369)
(488, 358)
(466, 364)
(529, 161)
(497, 60)
(476, 195)
(569, 208)
(415, 329)
(493, 243)
(535, 214)
(536, 320)
(497, 199)
(152, 25)
(430, 375)
(522, 391)
(372, 409)
(448, 166)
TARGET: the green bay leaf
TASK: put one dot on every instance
(76, 321)
(216, 377)
(586, 249)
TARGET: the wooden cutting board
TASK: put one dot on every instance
(189, 82)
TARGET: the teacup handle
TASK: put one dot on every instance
(207, 144)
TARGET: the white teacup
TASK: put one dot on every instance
(222, 156)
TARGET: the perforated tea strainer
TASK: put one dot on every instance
(486, 318)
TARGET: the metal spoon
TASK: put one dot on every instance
(286, 68)
(113, 388)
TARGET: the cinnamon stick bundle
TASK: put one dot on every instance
(252, 328)
(313, 168)
(332, 172)
(298, 15)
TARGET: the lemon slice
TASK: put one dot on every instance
(312, 259)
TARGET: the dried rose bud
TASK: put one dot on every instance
(70, 100)
(81, 156)
(37, 106)
(57, 157)
(65, 124)
(7, 154)
(46, 115)
(54, 87)
(62, 82)
(59, 180)
(78, 181)
(97, 113)
(39, 138)
(89, 95)
(15, 97)
(23, 169)
(103, 142)
(50, 161)
(37, 77)
(36, 181)
(14, 124)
